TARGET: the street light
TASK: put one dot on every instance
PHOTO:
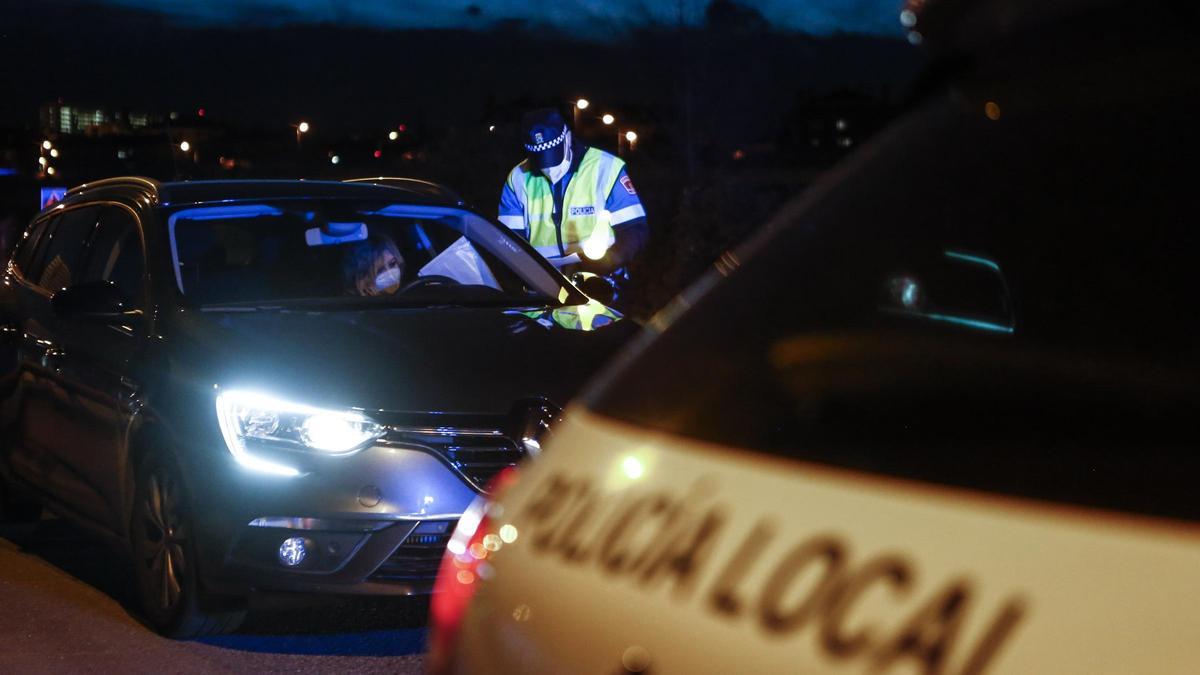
(301, 128)
(631, 137)
(581, 104)
(608, 119)
(46, 145)
(185, 146)
(393, 135)
(54, 152)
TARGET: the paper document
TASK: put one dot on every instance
(564, 260)
(461, 263)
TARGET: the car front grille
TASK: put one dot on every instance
(417, 558)
(475, 453)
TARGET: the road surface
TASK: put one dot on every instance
(64, 608)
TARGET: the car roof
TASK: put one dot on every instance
(192, 192)
(206, 191)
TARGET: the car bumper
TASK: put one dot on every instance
(374, 523)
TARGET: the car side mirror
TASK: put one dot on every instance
(595, 287)
(95, 301)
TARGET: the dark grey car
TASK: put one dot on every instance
(189, 372)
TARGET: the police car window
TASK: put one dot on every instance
(64, 249)
(115, 253)
(332, 251)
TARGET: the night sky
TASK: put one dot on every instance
(582, 16)
(349, 66)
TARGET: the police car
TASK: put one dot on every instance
(937, 417)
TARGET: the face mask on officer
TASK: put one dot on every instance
(556, 172)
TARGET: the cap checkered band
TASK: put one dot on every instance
(542, 147)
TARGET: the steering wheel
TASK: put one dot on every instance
(430, 280)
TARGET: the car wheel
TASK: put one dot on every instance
(164, 557)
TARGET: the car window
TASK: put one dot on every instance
(336, 251)
(64, 249)
(115, 253)
(24, 256)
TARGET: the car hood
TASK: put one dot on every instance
(453, 360)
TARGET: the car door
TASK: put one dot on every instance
(21, 334)
(47, 412)
(91, 378)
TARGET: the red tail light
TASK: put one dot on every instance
(464, 567)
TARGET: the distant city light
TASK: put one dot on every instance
(631, 136)
(491, 127)
(377, 154)
(54, 152)
(402, 128)
(608, 119)
(303, 127)
(393, 135)
(185, 146)
(992, 110)
(200, 112)
(335, 160)
(46, 145)
(582, 104)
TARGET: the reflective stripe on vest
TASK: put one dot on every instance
(583, 204)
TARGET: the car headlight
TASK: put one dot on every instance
(251, 421)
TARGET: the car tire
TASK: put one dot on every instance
(162, 538)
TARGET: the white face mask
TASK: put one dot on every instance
(387, 280)
(555, 173)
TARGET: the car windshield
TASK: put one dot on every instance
(338, 251)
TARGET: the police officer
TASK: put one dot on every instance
(575, 204)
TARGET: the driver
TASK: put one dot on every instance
(373, 267)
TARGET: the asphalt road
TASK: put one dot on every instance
(65, 608)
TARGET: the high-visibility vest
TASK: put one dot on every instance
(584, 218)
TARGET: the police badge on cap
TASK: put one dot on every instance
(544, 134)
